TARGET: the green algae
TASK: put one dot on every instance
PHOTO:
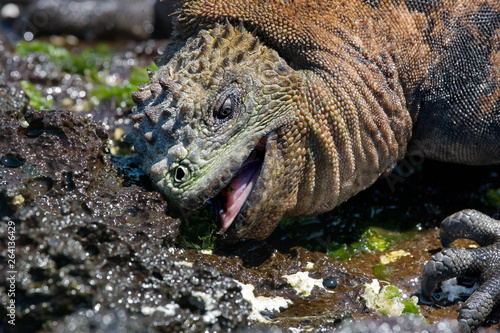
(382, 272)
(57, 54)
(373, 239)
(198, 230)
(123, 92)
(389, 300)
(86, 62)
(351, 230)
(37, 101)
(492, 197)
(93, 64)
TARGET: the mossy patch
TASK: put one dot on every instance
(37, 101)
(93, 64)
(493, 197)
(389, 300)
(198, 230)
(373, 239)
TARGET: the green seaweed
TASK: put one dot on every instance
(92, 64)
(382, 272)
(37, 101)
(373, 239)
(351, 230)
(59, 55)
(198, 230)
(493, 197)
(410, 307)
(122, 92)
(88, 62)
(388, 300)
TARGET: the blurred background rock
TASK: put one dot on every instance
(87, 19)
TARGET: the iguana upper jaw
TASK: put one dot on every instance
(232, 200)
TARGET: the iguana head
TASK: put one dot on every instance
(211, 125)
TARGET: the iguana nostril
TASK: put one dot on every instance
(181, 173)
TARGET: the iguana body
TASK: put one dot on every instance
(288, 108)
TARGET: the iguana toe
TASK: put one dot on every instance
(483, 262)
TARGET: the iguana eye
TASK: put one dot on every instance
(180, 173)
(226, 109)
(227, 105)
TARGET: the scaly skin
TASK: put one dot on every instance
(287, 108)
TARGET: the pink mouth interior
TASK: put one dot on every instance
(238, 190)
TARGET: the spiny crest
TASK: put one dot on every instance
(154, 118)
(201, 57)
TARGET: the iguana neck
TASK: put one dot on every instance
(354, 126)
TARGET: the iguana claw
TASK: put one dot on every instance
(483, 262)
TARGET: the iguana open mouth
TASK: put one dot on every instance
(230, 200)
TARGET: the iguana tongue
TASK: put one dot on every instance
(239, 189)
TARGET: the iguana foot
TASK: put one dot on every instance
(483, 262)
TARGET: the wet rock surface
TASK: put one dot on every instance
(89, 247)
(96, 249)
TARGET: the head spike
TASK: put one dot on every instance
(170, 86)
(166, 112)
(137, 117)
(136, 97)
(150, 114)
(240, 38)
(185, 113)
(217, 42)
(150, 73)
(166, 84)
(155, 89)
(203, 49)
(253, 44)
(141, 96)
(142, 86)
(239, 56)
(227, 28)
(148, 137)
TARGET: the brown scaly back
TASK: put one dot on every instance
(296, 29)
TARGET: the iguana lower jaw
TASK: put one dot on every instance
(234, 202)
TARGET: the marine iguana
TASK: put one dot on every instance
(283, 108)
